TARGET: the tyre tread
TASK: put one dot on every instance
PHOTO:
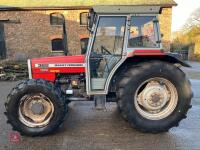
(37, 82)
(133, 72)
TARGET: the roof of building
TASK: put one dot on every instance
(10, 4)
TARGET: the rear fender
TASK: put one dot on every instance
(134, 60)
(175, 59)
(172, 58)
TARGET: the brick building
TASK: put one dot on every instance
(34, 29)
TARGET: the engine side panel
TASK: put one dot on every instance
(47, 68)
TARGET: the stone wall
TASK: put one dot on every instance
(32, 36)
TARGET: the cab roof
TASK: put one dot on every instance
(127, 9)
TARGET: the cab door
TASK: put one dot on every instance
(105, 52)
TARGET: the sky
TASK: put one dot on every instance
(182, 12)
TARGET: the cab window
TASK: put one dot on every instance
(110, 35)
(142, 32)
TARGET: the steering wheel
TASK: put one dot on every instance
(103, 50)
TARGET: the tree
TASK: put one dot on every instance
(193, 20)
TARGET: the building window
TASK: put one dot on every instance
(84, 19)
(57, 45)
(57, 19)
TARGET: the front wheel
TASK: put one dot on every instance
(35, 108)
(154, 97)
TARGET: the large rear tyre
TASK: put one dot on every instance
(35, 108)
(154, 96)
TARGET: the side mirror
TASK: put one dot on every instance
(91, 19)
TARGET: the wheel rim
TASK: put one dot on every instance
(35, 110)
(156, 98)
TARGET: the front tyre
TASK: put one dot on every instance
(35, 108)
(154, 96)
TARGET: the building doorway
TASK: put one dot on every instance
(2, 42)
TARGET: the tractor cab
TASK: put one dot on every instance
(116, 33)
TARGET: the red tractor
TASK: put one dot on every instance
(123, 62)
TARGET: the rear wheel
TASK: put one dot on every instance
(35, 108)
(154, 97)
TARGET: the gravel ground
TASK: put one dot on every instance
(89, 129)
